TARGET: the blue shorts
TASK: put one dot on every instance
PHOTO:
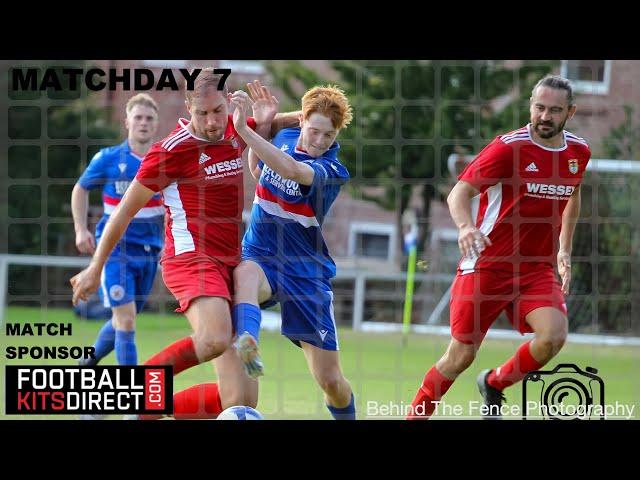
(128, 275)
(306, 304)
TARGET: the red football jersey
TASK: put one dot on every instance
(524, 188)
(202, 188)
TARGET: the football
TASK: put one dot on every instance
(240, 413)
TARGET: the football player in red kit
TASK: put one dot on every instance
(199, 170)
(515, 205)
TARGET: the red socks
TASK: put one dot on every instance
(180, 354)
(198, 402)
(435, 385)
(514, 369)
(433, 388)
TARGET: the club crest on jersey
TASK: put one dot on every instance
(573, 165)
(234, 142)
(116, 292)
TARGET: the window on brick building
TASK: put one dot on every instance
(588, 76)
(372, 240)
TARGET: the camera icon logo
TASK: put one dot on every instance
(564, 393)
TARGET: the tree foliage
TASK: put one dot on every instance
(49, 147)
(608, 241)
(411, 115)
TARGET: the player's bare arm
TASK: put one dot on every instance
(569, 219)
(285, 120)
(86, 282)
(471, 241)
(85, 241)
(255, 170)
(276, 159)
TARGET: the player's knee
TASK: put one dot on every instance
(126, 322)
(244, 275)
(210, 347)
(331, 382)
(458, 361)
(559, 339)
(552, 342)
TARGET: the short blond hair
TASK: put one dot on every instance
(143, 99)
(330, 101)
(205, 79)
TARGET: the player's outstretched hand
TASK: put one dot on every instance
(265, 105)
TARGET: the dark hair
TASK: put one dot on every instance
(557, 82)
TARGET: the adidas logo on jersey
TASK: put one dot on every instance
(203, 158)
(532, 168)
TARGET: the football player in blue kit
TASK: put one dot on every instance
(129, 273)
(285, 258)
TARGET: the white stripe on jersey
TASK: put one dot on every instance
(333, 319)
(182, 238)
(520, 131)
(516, 138)
(171, 142)
(144, 212)
(105, 293)
(575, 138)
(276, 210)
(489, 220)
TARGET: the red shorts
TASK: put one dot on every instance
(478, 298)
(191, 275)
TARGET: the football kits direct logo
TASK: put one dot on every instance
(123, 389)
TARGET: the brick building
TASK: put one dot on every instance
(360, 234)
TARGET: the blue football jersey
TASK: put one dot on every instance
(113, 169)
(286, 218)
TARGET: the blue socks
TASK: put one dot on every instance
(247, 318)
(123, 342)
(126, 352)
(105, 342)
(345, 413)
